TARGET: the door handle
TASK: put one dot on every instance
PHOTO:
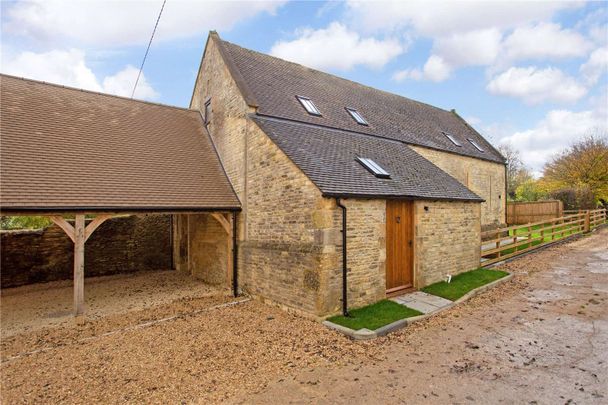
(410, 243)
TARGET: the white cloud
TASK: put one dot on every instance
(470, 33)
(533, 85)
(435, 69)
(545, 41)
(555, 132)
(336, 47)
(62, 67)
(596, 66)
(478, 47)
(69, 68)
(111, 23)
(122, 84)
(434, 18)
(401, 75)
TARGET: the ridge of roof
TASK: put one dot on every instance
(25, 79)
(334, 76)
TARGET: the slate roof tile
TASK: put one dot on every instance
(272, 85)
(327, 157)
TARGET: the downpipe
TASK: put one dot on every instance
(235, 257)
(344, 261)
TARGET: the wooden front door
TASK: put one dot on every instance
(399, 245)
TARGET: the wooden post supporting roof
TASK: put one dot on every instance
(79, 233)
(79, 239)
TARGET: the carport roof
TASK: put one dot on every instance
(65, 149)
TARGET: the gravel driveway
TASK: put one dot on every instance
(541, 338)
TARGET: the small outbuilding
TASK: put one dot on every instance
(81, 157)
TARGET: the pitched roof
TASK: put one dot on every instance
(69, 149)
(272, 84)
(327, 157)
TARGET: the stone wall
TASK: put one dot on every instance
(284, 238)
(228, 124)
(447, 239)
(290, 240)
(119, 245)
(366, 255)
(202, 248)
(484, 178)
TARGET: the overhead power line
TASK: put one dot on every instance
(141, 68)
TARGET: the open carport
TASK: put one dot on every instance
(81, 158)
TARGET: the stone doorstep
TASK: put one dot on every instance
(366, 334)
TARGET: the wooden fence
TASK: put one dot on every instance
(503, 243)
(526, 212)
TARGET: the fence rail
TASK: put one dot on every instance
(503, 243)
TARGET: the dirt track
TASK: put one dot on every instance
(542, 337)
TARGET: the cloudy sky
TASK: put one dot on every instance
(533, 74)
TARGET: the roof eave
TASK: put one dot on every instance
(28, 210)
(370, 196)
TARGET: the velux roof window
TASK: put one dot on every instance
(310, 107)
(374, 168)
(451, 138)
(357, 116)
(476, 145)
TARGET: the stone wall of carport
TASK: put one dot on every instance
(119, 245)
(201, 248)
(447, 239)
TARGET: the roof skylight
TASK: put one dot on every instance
(357, 116)
(451, 138)
(310, 107)
(374, 168)
(476, 145)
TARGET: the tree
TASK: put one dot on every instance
(25, 222)
(582, 167)
(517, 172)
(530, 190)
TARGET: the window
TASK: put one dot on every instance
(208, 111)
(476, 145)
(451, 138)
(374, 168)
(358, 117)
(310, 107)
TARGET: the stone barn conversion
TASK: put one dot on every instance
(342, 194)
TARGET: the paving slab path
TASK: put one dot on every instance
(539, 339)
(423, 302)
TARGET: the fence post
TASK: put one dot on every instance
(587, 226)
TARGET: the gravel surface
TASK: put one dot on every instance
(36, 306)
(541, 337)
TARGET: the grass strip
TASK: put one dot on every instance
(463, 283)
(375, 315)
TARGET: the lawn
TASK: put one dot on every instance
(375, 315)
(463, 283)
